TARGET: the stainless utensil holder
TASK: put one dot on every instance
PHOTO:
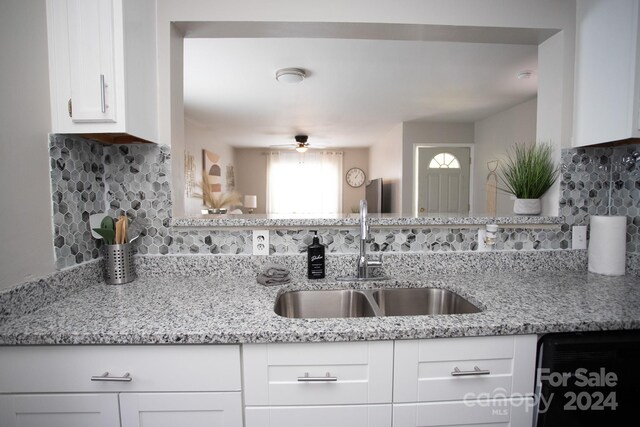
(118, 264)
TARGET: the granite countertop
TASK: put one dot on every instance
(353, 220)
(209, 310)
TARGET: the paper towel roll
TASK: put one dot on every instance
(608, 245)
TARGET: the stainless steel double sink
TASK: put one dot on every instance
(371, 303)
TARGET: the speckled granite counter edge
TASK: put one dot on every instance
(394, 264)
(247, 337)
(247, 221)
(29, 296)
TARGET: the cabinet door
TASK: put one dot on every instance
(320, 416)
(606, 76)
(59, 410)
(91, 60)
(515, 412)
(359, 373)
(181, 409)
(425, 370)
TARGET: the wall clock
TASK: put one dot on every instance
(355, 177)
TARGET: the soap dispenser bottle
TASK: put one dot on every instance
(315, 259)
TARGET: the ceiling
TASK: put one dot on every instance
(356, 89)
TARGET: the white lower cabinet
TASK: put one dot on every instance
(516, 412)
(484, 381)
(181, 409)
(120, 386)
(464, 381)
(472, 381)
(59, 410)
(318, 384)
(319, 416)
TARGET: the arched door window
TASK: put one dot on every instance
(444, 161)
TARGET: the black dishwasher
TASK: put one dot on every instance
(588, 379)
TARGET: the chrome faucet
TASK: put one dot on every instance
(364, 265)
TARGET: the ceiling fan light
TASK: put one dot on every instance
(301, 149)
(290, 75)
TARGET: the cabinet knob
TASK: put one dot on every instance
(70, 108)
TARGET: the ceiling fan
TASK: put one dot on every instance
(301, 145)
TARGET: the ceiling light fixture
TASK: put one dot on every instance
(290, 75)
(301, 148)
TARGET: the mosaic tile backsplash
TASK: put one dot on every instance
(77, 188)
(88, 177)
(602, 181)
(383, 240)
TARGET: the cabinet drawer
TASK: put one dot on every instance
(181, 409)
(427, 370)
(68, 410)
(320, 416)
(517, 412)
(275, 374)
(152, 368)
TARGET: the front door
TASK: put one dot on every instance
(443, 180)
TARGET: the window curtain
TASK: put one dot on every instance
(308, 183)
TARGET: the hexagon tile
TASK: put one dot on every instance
(77, 189)
(137, 178)
(88, 177)
(602, 181)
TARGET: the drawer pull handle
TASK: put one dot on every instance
(476, 371)
(105, 377)
(309, 379)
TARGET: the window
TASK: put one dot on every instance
(309, 183)
(444, 161)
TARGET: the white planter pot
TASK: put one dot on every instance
(527, 207)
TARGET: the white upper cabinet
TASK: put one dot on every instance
(102, 64)
(606, 76)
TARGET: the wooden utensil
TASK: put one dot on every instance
(118, 232)
(125, 229)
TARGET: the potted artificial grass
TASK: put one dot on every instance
(528, 172)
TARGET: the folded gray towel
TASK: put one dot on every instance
(275, 270)
(272, 281)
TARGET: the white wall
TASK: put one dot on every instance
(555, 102)
(26, 228)
(427, 133)
(196, 138)
(493, 136)
(171, 108)
(353, 158)
(251, 174)
(385, 161)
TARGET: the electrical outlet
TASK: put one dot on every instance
(261, 242)
(482, 233)
(579, 237)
